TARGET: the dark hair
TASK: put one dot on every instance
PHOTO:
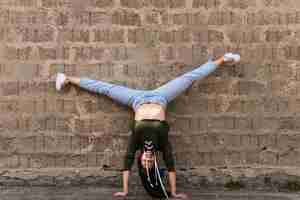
(152, 187)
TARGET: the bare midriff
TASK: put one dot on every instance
(150, 111)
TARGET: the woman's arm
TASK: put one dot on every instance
(172, 182)
(125, 184)
(169, 161)
(128, 162)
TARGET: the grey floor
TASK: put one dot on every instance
(99, 193)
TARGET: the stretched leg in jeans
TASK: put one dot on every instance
(121, 94)
(175, 87)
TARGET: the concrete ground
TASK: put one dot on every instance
(101, 193)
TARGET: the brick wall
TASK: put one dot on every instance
(242, 115)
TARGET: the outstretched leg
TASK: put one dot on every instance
(121, 94)
(175, 87)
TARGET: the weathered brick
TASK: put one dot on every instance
(87, 53)
(5, 160)
(251, 157)
(141, 35)
(45, 53)
(243, 123)
(118, 124)
(291, 52)
(92, 160)
(20, 71)
(126, 18)
(222, 123)
(27, 106)
(251, 88)
(102, 3)
(179, 123)
(43, 34)
(290, 157)
(60, 160)
(206, 3)
(62, 124)
(266, 123)
(276, 105)
(207, 36)
(233, 158)
(133, 3)
(43, 161)
(18, 53)
(294, 105)
(175, 36)
(273, 3)
(68, 69)
(20, 3)
(9, 88)
(100, 160)
(267, 140)
(62, 18)
(217, 87)
(13, 161)
(8, 123)
(82, 126)
(119, 53)
(76, 35)
(3, 33)
(224, 105)
(283, 88)
(185, 55)
(167, 3)
(249, 36)
(179, 18)
(277, 35)
(186, 19)
(248, 141)
(224, 18)
(287, 123)
(23, 145)
(272, 18)
(8, 105)
(268, 157)
(50, 123)
(58, 144)
(55, 3)
(97, 125)
(29, 88)
(105, 18)
(242, 4)
(150, 18)
(26, 17)
(288, 141)
(109, 36)
(167, 54)
(279, 70)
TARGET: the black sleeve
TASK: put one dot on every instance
(130, 153)
(168, 156)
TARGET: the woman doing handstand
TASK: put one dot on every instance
(150, 129)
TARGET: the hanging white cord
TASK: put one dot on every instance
(159, 178)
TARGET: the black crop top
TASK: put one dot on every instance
(149, 131)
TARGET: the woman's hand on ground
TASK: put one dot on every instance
(179, 195)
(120, 194)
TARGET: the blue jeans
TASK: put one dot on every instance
(162, 95)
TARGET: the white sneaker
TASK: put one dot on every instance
(60, 80)
(230, 57)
